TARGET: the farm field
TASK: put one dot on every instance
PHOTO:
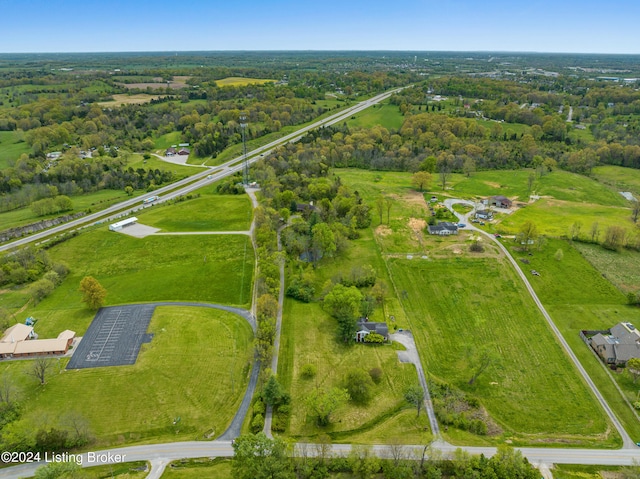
(242, 81)
(578, 297)
(142, 403)
(120, 99)
(210, 212)
(622, 268)
(532, 391)
(12, 145)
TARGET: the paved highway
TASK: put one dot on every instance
(200, 179)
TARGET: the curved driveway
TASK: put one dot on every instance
(628, 443)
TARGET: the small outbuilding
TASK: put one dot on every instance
(500, 201)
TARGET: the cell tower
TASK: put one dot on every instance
(245, 169)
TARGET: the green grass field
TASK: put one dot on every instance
(165, 141)
(619, 178)
(555, 218)
(560, 185)
(532, 392)
(140, 403)
(622, 268)
(206, 268)
(210, 212)
(12, 145)
(385, 115)
(315, 342)
(217, 468)
(578, 297)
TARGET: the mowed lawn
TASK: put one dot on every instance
(210, 212)
(12, 145)
(217, 468)
(533, 391)
(385, 115)
(194, 372)
(312, 339)
(204, 268)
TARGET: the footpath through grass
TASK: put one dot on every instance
(187, 383)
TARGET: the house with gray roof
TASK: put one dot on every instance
(365, 327)
(617, 345)
(444, 228)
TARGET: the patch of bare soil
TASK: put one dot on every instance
(492, 184)
(383, 230)
(415, 198)
(417, 227)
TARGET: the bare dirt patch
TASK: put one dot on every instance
(415, 198)
(383, 230)
(120, 99)
(492, 184)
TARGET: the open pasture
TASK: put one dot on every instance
(459, 308)
(12, 145)
(578, 297)
(242, 81)
(385, 115)
(210, 212)
(555, 218)
(120, 99)
(619, 178)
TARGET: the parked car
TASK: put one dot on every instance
(497, 235)
(461, 225)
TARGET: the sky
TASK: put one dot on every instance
(570, 26)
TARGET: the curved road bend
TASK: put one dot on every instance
(628, 443)
(202, 178)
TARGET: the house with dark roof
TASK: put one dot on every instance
(170, 151)
(365, 327)
(184, 151)
(445, 228)
(617, 345)
(500, 201)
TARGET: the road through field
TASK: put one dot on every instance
(628, 443)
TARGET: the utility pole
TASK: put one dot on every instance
(245, 170)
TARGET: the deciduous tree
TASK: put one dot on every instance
(415, 396)
(322, 404)
(93, 293)
(421, 180)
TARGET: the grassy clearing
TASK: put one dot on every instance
(554, 217)
(619, 178)
(519, 128)
(139, 403)
(165, 141)
(120, 99)
(575, 471)
(621, 268)
(160, 268)
(210, 212)
(315, 342)
(217, 468)
(533, 392)
(12, 145)
(164, 268)
(578, 297)
(126, 470)
(241, 81)
(385, 115)
(560, 185)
